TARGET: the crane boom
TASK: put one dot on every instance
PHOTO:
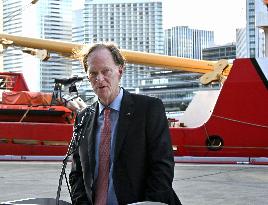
(134, 57)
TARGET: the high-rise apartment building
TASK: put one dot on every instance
(132, 24)
(185, 42)
(261, 23)
(250, 40)
(137, 25)
(255, 36)
(241, 43)
(49, 19)
(78, 33)
(176, 89)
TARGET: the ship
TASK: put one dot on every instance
(225, 125)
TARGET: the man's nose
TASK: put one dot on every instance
(100, 77)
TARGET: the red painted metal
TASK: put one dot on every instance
(239, 118)
(45, 114)
(13, 81)
(49, 139)
(32, 130)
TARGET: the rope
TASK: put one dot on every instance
(25, 114)
(239, 121)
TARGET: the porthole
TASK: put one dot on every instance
(214, 143)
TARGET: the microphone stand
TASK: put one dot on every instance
(78, 135)
(64, 164)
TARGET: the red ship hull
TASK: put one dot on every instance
(37, 139)
(237, 127)
(238, 124)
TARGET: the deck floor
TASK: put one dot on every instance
(194, 183)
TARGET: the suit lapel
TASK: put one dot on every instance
(92, 138)
(87, 147)
(125, 116)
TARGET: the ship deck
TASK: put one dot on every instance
(202, 184)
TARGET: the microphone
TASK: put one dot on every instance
(79, 130)
(78, 136)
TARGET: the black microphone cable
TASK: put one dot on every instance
(73, 147)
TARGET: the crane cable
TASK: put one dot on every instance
(18, 11)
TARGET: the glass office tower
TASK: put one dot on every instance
(49, 19)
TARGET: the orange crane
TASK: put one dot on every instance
(42, 48)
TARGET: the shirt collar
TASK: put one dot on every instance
(115, 105)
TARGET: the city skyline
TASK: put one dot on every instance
(222, 17)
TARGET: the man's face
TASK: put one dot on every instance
(104, 75)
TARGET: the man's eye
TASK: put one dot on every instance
(105, 71)
(92, 75)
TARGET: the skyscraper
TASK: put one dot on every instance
(137, 25)
(132, 24)
(255, 36)
(185, 42)
(261, 23)
(241, 43)
(49, 19)
(178, 88)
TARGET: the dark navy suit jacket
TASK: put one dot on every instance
(143, 162)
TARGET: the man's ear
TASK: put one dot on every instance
(121, 69)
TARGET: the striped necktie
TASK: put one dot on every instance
(104, 161)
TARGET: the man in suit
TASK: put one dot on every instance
(139, 157)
